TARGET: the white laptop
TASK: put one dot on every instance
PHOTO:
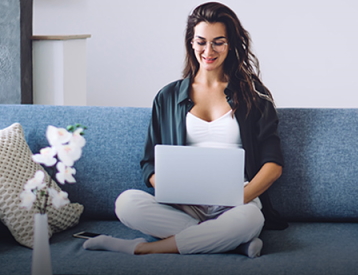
(198, 175)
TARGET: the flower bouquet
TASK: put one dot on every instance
(65, 148)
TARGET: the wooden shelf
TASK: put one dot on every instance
(59, 69)
(60, 37)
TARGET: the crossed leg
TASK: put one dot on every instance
(182, 233)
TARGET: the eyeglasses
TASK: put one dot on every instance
(217, 46)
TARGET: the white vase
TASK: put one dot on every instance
(41, 257)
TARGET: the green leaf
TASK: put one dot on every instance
(70, 128)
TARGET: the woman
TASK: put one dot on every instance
(220, 90)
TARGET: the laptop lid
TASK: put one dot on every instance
(199, 175)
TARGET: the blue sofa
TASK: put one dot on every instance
(317, 194)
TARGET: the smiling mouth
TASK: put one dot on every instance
(209, 60)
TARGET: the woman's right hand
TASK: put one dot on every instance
(152, 180)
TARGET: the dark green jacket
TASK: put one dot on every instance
(258, 133)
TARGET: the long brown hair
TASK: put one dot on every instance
(241, 66)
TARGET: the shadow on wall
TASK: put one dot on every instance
(15, 52)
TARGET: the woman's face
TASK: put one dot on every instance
(210, 45)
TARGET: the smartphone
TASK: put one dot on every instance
(85, 235)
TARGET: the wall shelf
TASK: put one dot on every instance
(59, 69)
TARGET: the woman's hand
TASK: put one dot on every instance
(152, 180)
(267, 175)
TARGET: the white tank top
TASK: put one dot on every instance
(222, 132)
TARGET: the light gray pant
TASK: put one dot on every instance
(140, 211)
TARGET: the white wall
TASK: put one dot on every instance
(308, 49)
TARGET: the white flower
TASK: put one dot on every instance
(57, 136)
(46, 156)
(59, 199)
(77, 138)
(65, 148)
(27, 199)
(37, 182)
(69, 153)
(65, 173)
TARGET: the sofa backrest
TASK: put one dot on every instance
(320, 150)
(320, 178)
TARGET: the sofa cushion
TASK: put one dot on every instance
(319, 180)
(302, 249)
(16, 168)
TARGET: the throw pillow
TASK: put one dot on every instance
(16, 168)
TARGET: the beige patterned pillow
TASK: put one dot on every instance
(16, 168)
